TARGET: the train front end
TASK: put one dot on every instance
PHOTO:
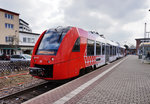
(51, 53)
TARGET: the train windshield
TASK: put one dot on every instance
(51, 41)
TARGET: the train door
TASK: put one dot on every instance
(107, 52)
(75, 58)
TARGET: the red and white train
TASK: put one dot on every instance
(65, 52)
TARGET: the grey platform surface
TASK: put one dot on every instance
(128, 84)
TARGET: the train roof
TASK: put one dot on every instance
(91, 35)
(97, 37)
(60, 28)
(111, 42)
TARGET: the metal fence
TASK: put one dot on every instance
(8, 67)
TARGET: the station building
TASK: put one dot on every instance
(27, 37)
(27, 41)
(139, 41)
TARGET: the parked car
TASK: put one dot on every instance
(22, 57)
(4, 57)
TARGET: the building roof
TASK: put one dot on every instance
(3, 10)
(143, 39)
(23, 21)
(29, 33)
(145, 44)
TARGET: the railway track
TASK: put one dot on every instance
(30, 92)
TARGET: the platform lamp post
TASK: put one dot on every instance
(145, 31)
(144, 40)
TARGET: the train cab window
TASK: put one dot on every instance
(90, 48)
(98, 48)
(51, 41)
(103, 49)
(76, 47)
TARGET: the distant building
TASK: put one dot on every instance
(26, 37)
(24, 26)
(16, 36)
(9, 31)
(27, 41)
(139, 41)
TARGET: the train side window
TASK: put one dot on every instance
(103, 49)
(115, 50)
(90, 48)
(111, 50)
(98, 48)
(76, 47)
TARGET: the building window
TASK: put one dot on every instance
(9, 16)
(5, 15)
(12, 26)
(29, 40)
(9, 39)
(90, 47)
(20, 27)
(24, 39)
(32, 40)
(9, 26)
(5, 25)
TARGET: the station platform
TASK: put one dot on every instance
(125, 81)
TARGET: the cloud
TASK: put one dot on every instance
(40, 14)
(106, 17)
(116, 19)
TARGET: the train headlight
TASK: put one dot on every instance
(52, 59)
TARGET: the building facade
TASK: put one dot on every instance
(9, 32)
(27, 41)
(24, 26)
(16, 36)
(139, 41)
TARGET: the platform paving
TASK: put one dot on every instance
(126, 83)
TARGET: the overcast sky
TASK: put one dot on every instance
(118, 20)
